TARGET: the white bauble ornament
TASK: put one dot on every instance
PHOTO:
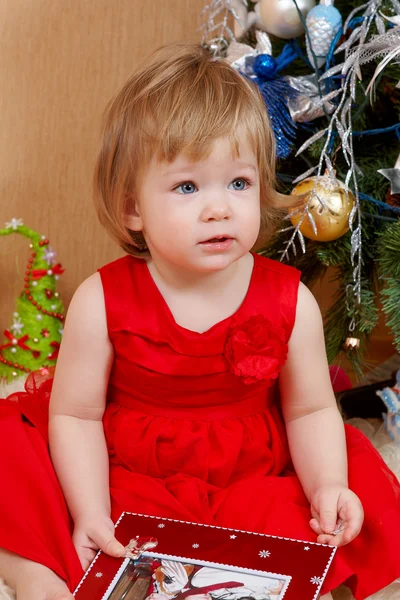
(281, 18)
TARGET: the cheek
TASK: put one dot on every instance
(251, 213)
(251, 220)
(171, 218)
(254, 229)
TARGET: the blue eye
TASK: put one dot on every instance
(239, 184)
(186, 188)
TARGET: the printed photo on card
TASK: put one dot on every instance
(164, 579)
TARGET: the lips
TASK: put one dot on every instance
(217, 239)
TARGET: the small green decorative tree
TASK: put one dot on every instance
(33, 339)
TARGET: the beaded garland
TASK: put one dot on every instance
(28, 277)
(15, 340)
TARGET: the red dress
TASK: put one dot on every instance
(194, 431)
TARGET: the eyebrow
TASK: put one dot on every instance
(189, 168)
(248, 165)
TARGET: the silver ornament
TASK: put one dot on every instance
(281, 17)
(394, 176)
(239, 53)
(307, 105)
(323, 23)
(216, 26)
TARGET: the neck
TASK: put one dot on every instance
(175, 277)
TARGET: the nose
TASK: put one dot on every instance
(216, 211)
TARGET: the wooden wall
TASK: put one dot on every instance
(60, 63)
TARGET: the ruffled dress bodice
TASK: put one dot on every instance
(202, 404)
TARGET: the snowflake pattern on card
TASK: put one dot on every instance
(161, 526)
(316, 580)
(195, 545)
(99, 574)
(264, 553)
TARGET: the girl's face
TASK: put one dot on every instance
(200, 216)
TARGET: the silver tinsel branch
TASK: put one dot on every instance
(357, 51)
(216, 32)
(387, 46)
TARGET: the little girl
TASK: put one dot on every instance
(192, 381)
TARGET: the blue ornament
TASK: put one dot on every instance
(264, 66)
(323, 23)
(260, 66)
(276, 93)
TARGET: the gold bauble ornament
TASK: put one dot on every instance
(351, 343)
(331, 220)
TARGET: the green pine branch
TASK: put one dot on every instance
(389, 271)
(381, 230)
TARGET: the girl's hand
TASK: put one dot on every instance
(337, 515)
(93, 533)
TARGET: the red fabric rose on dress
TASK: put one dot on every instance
(256, 349)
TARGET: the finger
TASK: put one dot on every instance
(114, 548)
(327, 513)
(329, 540)
(108, 543)
(314, 524)
(83, 549)
(86, 556)
(314, 512)
(353, 515)
(348, 534)
(341, 539)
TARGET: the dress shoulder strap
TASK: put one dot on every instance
(277, 291)
(123, 291)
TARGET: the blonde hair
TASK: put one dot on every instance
(181, 100)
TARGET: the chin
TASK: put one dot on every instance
(218, 262)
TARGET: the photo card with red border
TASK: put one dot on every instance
(169, 559)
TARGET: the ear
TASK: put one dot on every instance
(132, 219)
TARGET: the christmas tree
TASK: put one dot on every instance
(33, 339)
(329, 76)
